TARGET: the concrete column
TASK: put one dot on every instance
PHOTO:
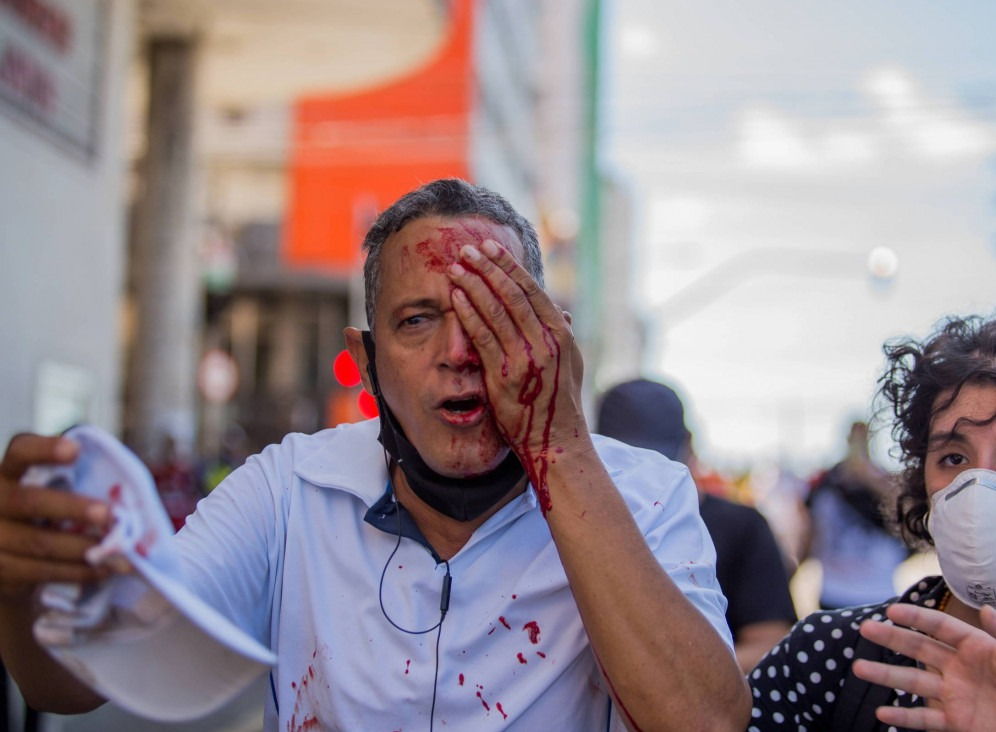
(168, 296)
(284, 369)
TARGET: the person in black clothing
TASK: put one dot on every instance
(749, 564)
(941, 395)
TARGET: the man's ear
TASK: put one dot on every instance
(354, 344)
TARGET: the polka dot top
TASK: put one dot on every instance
(795, 687)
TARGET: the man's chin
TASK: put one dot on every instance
(471, 467)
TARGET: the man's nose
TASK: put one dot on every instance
(459, 349)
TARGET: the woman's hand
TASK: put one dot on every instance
(957, 677)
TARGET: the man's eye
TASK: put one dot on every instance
(413, 320)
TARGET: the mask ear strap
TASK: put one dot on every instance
(368, 345)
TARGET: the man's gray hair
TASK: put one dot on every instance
(450, 198)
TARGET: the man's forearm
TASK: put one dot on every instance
(663, 660)
(43, 682)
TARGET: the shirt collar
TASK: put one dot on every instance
(349, 458)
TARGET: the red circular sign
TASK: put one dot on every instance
(345, 369)
(367, 405)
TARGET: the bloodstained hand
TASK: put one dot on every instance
(531, 362)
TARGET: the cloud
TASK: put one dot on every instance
(931, 128)
(905, 123)
(679, 216)
(770, 139)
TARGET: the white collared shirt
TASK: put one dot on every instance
(283, 549)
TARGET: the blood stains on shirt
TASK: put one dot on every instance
(532, 627)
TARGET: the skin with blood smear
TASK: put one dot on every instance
(422, 365)
(536, 375)
(536, 463)
(429, 247)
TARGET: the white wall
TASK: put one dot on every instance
(502, 151)
(62, 253)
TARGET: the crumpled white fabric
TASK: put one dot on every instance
(140, 637)
(123, 604)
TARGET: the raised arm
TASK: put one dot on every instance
(43, 535)
(663, 661)
(958, 677)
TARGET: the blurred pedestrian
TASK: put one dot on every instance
(176, 480)
(232, 452)
(858, 552)
(749, 564)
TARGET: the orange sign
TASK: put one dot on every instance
(354, 154)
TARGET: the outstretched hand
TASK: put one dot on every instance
(532, 364)
(958, 673)
(44, 533)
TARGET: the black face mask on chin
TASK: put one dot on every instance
(463, 499)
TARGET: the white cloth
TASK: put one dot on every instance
(282, 548)
(141, 639)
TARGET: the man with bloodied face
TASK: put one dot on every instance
(473, 559)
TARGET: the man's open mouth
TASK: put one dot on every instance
(462, 406)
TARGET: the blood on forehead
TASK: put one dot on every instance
(443, 242)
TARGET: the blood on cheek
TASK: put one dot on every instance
(438, 256)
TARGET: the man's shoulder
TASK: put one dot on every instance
(618, 457)
(647, 479)
(344, 456)
(340, 437)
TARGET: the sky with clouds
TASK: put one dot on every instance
(808, 181)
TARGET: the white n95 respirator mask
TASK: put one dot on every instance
(962, 522)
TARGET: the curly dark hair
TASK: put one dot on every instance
(922, 379)
(451, 198)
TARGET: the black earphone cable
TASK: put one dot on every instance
(444, 606)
